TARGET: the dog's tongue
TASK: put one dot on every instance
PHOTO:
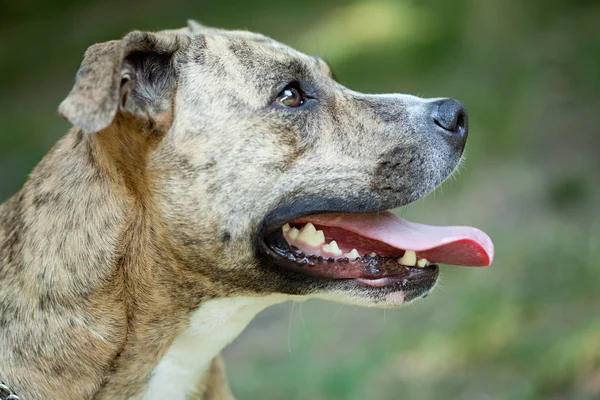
(455, 245)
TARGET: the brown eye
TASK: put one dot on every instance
(291, 96)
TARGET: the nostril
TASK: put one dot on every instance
(461, 120)
(439, 123)
(451, 116)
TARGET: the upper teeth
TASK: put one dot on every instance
(285, 228)
(409, 258)
(422, 263)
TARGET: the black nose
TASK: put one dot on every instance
(450, 116)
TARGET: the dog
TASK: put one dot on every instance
(208, 175)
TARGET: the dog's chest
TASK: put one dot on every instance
(212, 327)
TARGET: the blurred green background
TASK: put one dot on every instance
(529, 71)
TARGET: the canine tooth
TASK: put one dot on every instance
(373, 254)
(286, 228)
(334, 249)
(353, 254)
(293, 233)
(409, 258)
(422, 263)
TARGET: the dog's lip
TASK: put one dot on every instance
(315, 205)
(425, 275)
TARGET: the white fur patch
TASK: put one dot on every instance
(212, 326)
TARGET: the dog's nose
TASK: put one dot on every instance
(450, 118)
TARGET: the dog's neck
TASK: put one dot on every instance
(212, 327)
(61, 295)
(89, 286)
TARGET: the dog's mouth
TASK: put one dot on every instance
(374, 249)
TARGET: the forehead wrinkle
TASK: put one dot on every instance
(264, 50)
(277, 62)
(247, 56)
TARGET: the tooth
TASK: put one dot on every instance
(334, 249)
(353, 254)
(285, 228)
(293, 233)
(373, 254)
(307, 232)
(320, 236)
(422, 263)
(409, 258)
(310, 235)
(308, 229)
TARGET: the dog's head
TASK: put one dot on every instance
(269, 176)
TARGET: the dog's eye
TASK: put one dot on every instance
(291, 96)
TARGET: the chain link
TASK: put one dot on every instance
(6, 393)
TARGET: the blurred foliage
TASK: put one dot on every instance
(529, 72)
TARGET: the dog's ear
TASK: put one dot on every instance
(136, 75)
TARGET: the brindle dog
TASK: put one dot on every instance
(149, 236)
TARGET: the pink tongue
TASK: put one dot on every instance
(456, 245)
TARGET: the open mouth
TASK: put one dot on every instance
(374, 249)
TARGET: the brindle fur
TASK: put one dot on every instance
(149, 206)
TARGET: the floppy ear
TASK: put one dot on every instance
(136, 75)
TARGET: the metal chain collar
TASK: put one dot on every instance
(6, 393)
